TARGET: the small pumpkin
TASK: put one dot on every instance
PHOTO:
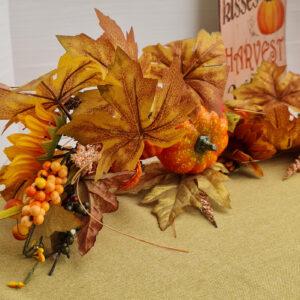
(205, 140)
(270, 16)
(150, 150)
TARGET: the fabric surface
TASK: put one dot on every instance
(254, 254)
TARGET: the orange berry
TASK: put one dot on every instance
(40, 196)
(50, 187)
(23, 230)
(20, 232)
(51, 178)
(42, 173)
(26, 221)
(63, 172)
(45, 206)
(58, 180)
(55, 198)
(26, 210)
(34, 202)
(38, 220)
(55, 166)
(35, 210)
(42, 212)
(64, 180)
(59, 188)
(54, 195)
(40, 182)
(56, 201)
(46, 165)
(30, 191)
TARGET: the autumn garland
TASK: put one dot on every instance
(121, 110)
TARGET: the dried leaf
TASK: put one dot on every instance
(172, 198)
(202, 64)
(267, 86)
(211, 183)
(115, 35)
(57, 219)
(153, 174)
(219, 167)
(293, 168)
(102, 200)
(206, 209)
(139, 114)
(87, 235)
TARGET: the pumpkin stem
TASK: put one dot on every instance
(204, 144)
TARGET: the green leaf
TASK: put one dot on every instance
(4, 214)
(50, 145)
(233, 119)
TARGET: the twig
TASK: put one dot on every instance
(55, 263)
(30, 273)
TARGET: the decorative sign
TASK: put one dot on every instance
(253, 31)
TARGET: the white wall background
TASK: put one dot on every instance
(28, 47)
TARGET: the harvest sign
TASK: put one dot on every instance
(253, 31)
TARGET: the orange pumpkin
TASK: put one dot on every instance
(270, 16)
(205, 140)
(151, 150)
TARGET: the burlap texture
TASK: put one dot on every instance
(254, 254)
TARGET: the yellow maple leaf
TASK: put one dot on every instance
(202, 65)
(99, 50)
(52, 89)
(141, 112)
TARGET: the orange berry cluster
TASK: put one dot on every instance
(45, 190)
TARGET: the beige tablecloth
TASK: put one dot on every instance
(254, 254)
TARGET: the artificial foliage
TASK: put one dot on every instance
(155, 126)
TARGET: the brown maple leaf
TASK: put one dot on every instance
(268, 86)
(202, 65)
(270, 106)
(115, 35)
(141, 112)
(102, 199)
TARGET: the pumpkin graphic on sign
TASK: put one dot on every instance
(270, 16)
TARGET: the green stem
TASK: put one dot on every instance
(204, 144)
(30, 273)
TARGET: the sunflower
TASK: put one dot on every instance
(27, 148)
